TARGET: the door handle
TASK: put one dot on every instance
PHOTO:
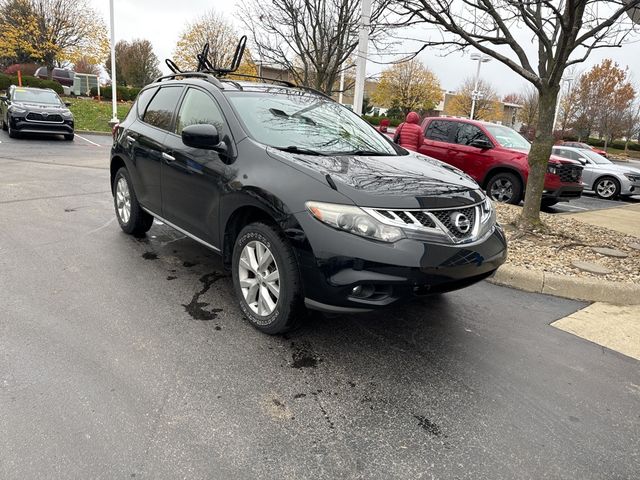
(168, 157)
(130, 139)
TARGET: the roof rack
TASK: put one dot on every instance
(204, 75)
(285, 83)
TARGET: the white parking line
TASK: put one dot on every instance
(88, 141)
(573, 206)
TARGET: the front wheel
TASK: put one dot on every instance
(11, 131)
(69, 137)
(266, 279)
(505, 187)
(548, 202)
(131, 217)
(607, 188)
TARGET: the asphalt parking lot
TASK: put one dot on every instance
(128, 358)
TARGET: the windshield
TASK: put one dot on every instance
(508, 137)
(308, 123)
(594, 157)
(36, 96)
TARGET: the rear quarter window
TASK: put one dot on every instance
(142, 101)
(160, 111)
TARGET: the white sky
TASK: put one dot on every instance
(161, 21)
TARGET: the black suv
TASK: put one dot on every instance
(35, 110)
(308, 205)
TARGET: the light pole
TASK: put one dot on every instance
(361, 59)
(559, 101)
(114, 89)
(476, 95)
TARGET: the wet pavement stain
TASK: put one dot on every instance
(300, 395)
(150, 256)
(69, 210)
(188, 264)
(428, 425)
(171, 277)
(218, 327)
(196, 309)
(303, 356)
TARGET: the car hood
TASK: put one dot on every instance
(39, 107)
(408, 181)
(613, 168)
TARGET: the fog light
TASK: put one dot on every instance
(363, 291)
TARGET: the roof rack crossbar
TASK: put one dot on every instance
(204, 75)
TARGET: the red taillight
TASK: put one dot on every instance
(114, 130)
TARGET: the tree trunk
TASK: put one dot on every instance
(539, 158)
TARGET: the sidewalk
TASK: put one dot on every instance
(621, 219)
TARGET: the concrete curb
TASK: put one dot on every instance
(92, 132)
(588, 289)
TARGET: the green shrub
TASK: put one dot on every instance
(376, 119)
(28, 81)
(124, 93)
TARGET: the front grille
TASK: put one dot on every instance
(569, 173)
(39, 117)
(459, 224)
(447, 218)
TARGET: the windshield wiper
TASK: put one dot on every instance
(365, 152)
(295, 149)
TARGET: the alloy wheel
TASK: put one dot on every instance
(259, 278)
(606, 188)
(501, 190)
(123, 200)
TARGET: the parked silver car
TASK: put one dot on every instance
(607, 179)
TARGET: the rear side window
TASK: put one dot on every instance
(468, 133)
(159, 113)
(142, 102)
(439, 130)
(564, 153)
(199, 108)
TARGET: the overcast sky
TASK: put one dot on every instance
(161, 21)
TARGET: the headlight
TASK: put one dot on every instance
(552, 169)
(487, 216)
(634, 177)
(354, 220)
(66, 113)
(14, 109)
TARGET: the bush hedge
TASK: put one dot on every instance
(375, 120)
(124, 93)
(617, 144)
(28, 81)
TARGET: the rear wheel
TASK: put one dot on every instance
(266, 279)
(607, 188)
(131, 217)
(505, 187)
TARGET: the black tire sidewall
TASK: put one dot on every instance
(615, 182)
(139, 221)
(279, 320)
(516, 187)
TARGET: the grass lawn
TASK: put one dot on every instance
(93, 115)
(620, 153)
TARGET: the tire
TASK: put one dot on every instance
(12, 132)
(270, 313)
(133, 220)
(69, 137)
(505, 187)
(548, 202)
(607, 188)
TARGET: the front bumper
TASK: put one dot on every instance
(337, 262)
(22, 125)
(564, 193)
(627, 187)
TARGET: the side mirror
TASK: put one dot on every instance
(481, 143)
(583, 160)
(204, 136)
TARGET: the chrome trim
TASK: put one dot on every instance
(181, 230)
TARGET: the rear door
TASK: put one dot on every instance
(473, 161)
(438, 140)
(192, 178)
(145, 143)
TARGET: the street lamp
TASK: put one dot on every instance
(361, 59)
(477, 95)
(114, 89)
(559, 101)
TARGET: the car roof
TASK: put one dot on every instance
(34, 88)
(467, 120)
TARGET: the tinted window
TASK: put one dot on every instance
(468, 133)
(439, 130)
(144, 97)
(198, 108)
(160, 111)
(564, 153)
(36, 96)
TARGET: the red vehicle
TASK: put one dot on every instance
(584, 146)
(495, 156)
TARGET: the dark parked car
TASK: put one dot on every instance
(35, 110)
(61, 75)
(495, 156)
(308, 205)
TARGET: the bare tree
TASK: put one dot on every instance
(313, 39)
(631, 124)
(564, 33)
